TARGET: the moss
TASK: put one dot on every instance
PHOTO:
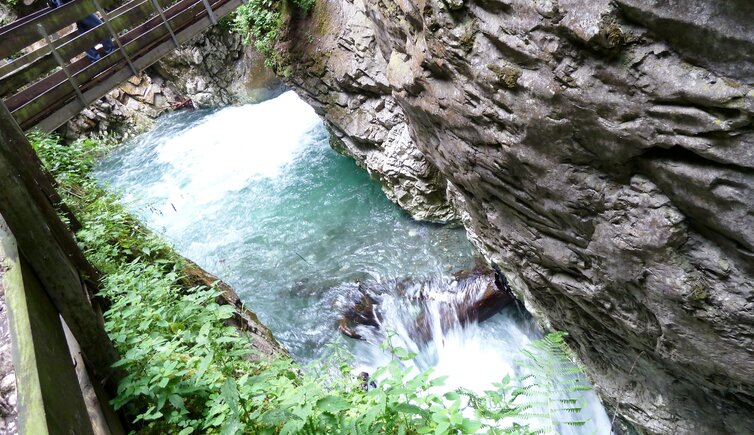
(507, 74)
(698, 291)
(612, 35)
(468, 37)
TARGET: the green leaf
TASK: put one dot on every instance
(177, 401)
(470, 426)
(452, 395)
(203, 365)
(332, 404)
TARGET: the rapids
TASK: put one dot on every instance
(255, 195)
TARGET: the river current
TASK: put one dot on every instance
(255, 195)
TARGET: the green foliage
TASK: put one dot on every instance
(110, 236)
(551, 391)
(11, 3)
(260, 21)
(187, 372)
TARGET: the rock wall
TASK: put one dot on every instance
(215, 69)
(342, 75)
(600, 152)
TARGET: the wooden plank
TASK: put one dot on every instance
(46, 63)
(29, 106)
(16, 38)
(140, 10)
(47, 245)
(71, 109)
(50, 400)
(11, 67)
(24, 20)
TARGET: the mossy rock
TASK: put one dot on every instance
(506, 73)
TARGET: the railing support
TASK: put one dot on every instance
(61, 64)
(212, 16)
(52, 253)
(158, 8)
(114, 35)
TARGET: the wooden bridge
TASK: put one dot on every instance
(62, 355)
(46, 80)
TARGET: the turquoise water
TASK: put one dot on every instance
(255, 195)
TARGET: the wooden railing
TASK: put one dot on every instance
(47, 80)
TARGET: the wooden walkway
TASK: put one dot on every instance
(45, 79)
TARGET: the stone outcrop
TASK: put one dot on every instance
(346, 83)
(601, 153)
(215, 69)
(473, 295)
(126, 110)
(7, 15)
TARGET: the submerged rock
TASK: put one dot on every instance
(599, 152)
(473, 295)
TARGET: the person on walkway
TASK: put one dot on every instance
(85, 24)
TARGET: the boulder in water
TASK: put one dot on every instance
(471, 295)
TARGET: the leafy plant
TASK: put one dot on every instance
(260, 21)
(187, 372)
(553, 388)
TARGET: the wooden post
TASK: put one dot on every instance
(159, 10)
(50, 400)
(48, 246)
(61, 64)
(212, 16)
(115, 37)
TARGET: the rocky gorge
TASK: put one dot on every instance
(600, 153)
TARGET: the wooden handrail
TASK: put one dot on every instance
(16, 38)
(26, 72)
(28, 104)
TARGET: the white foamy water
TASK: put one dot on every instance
(217, 165)
(471, 355)
(255, 195)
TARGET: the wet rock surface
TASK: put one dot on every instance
(473, 295)
(8, 396)
(214, 69)
(601, 153)
(345, 81)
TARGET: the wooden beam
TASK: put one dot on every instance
(36, 69)
(16, 65)
(50, 400)
(69, 110)
(33, 103)
(49, 248)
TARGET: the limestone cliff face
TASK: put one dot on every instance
(215, 69)
(600, 152)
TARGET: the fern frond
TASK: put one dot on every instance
(552, 384)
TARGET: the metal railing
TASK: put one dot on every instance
(46, 80)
